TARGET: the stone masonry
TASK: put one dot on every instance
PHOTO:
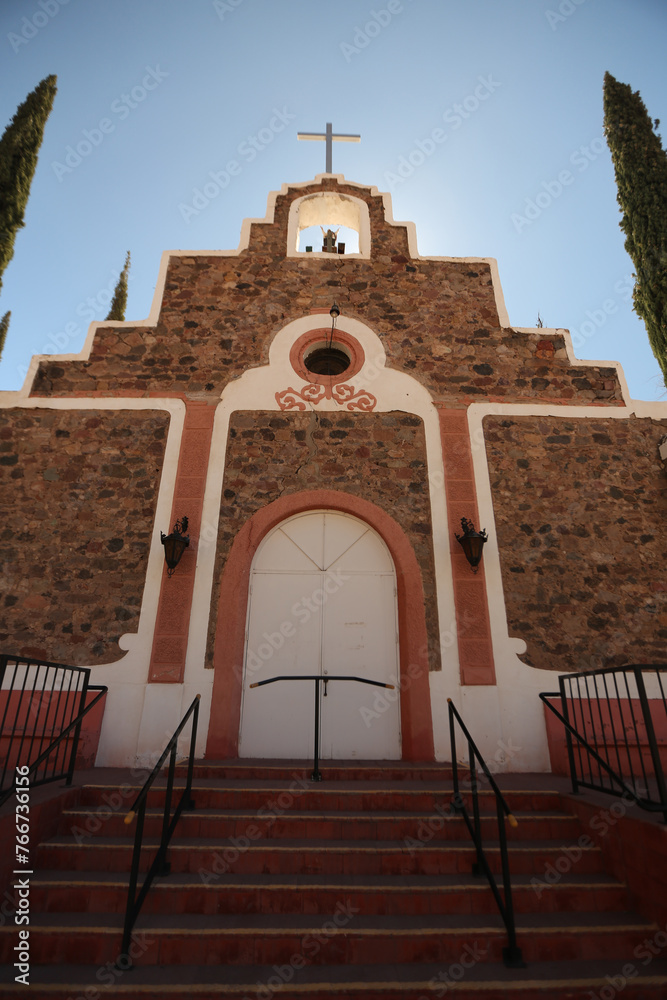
(78, 499)
(580, 507)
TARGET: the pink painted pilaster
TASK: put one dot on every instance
(472, 612)
(173, 618)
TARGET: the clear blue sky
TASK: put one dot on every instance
(514, 86)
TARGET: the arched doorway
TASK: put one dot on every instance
(322, 600)
(231, 617)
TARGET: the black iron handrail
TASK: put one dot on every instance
(160, 865)
(512, 956)
(317, 774)
(66, 682)
(596, 705)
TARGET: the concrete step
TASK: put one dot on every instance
(343, 936)
(339, 771)
(272, 856)
(315, 824)
(466, 976)
(279, 798)
(75, 891)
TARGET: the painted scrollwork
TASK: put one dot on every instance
(292, 399)
(355, 400)
(314, 393)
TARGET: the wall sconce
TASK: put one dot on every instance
(472, 542)
(175, 544)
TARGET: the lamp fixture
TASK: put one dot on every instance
(472, 542)
(334, 312)
(175, 544)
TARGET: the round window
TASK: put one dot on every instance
(329, 360)
(323, 358)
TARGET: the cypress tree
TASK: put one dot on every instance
(4, 327)
(640, 165)
(19, 148)
(119, 300)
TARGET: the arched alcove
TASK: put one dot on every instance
(329, 210)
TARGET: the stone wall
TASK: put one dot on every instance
(379, 457)
(580, 513)
(79, 489)
(438, 321)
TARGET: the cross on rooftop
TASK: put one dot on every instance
(329, 137)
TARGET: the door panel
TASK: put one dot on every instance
(283, 556)
(340, 534)
(367, 555)
(277, 719)
(307, 532)
(359, 638)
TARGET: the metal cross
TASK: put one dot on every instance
(329, 137)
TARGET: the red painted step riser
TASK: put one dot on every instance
(347, 828)
(318, 901)
(345, 948)
(632, 991)
(281, 801)
(248, 773)
(422, 861)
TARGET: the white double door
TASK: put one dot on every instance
(322, 602)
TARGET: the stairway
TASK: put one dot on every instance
(358, 887)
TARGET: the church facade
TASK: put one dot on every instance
(325, 421)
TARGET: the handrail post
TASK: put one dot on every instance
(652, 742)
(456, 798)
(132, 888)
(77, 734)
(512, 955)
(477, 868)
(568, 737)
(317, 775)
(189, 802)
(73, 753)
(163, 866)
